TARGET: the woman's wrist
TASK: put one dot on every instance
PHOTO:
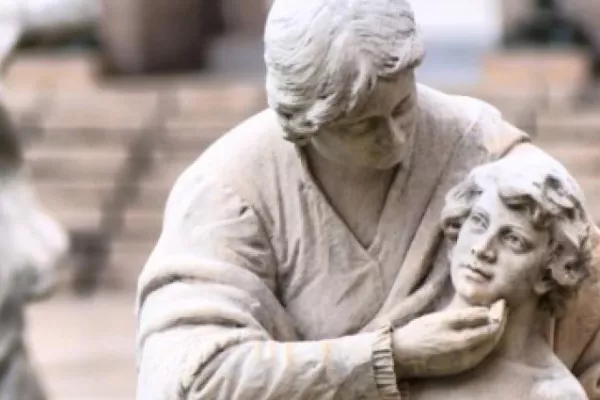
(384, 366)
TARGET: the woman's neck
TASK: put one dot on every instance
(357, 194)
(323, 169)
(521, 341)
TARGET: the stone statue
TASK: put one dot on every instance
(31, 245)
(518, 234)
(302, 256)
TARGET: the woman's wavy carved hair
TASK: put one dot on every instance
(324, 57)
(552, 200)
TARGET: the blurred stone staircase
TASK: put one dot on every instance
(104, 157)
(543, 91)
(200, 116)
(573, 138)
(570, 134)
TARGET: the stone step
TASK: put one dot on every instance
(76, 206)
(77, 219)
(102, 110)
(233, 95)
(83, 346)
(559, 72)
(582, 127)
(516, 106)
(94, 154)
(72, 170)
(84, 193)
(219, 111)
(59, 202)
(151, 197)
(141, 226)
(190, 141)
(590, 185)
(21, 102)
(67, 71)
(85, 138)
(581, 161)
(127, 261)
(186, 149)
(218, 122)
(218, 106)
(166, 173)
(58, 164)
(123, 271)
(209, 130)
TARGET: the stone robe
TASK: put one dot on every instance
(257, 289)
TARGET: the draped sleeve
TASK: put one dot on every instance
(210, 325)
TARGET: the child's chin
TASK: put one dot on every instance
(477, 297)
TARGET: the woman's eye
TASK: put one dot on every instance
(359, 128)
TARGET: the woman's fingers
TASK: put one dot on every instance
(472, 317)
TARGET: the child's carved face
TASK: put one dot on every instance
(498, 254)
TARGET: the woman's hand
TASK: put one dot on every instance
(447, 342)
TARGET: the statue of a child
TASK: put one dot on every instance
(519, 237)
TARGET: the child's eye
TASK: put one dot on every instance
(516, 241)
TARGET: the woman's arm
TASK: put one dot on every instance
(210, 326)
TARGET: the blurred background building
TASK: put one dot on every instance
(114, 98)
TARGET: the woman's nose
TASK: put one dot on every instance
(397, 134)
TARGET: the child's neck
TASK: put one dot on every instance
(522, 340)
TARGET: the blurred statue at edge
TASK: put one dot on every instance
(32, 244)
(302, 254)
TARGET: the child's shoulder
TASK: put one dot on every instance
(567, 388)
(559, 383)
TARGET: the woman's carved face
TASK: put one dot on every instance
(379, 134)
(32, 243)
(498, 254)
